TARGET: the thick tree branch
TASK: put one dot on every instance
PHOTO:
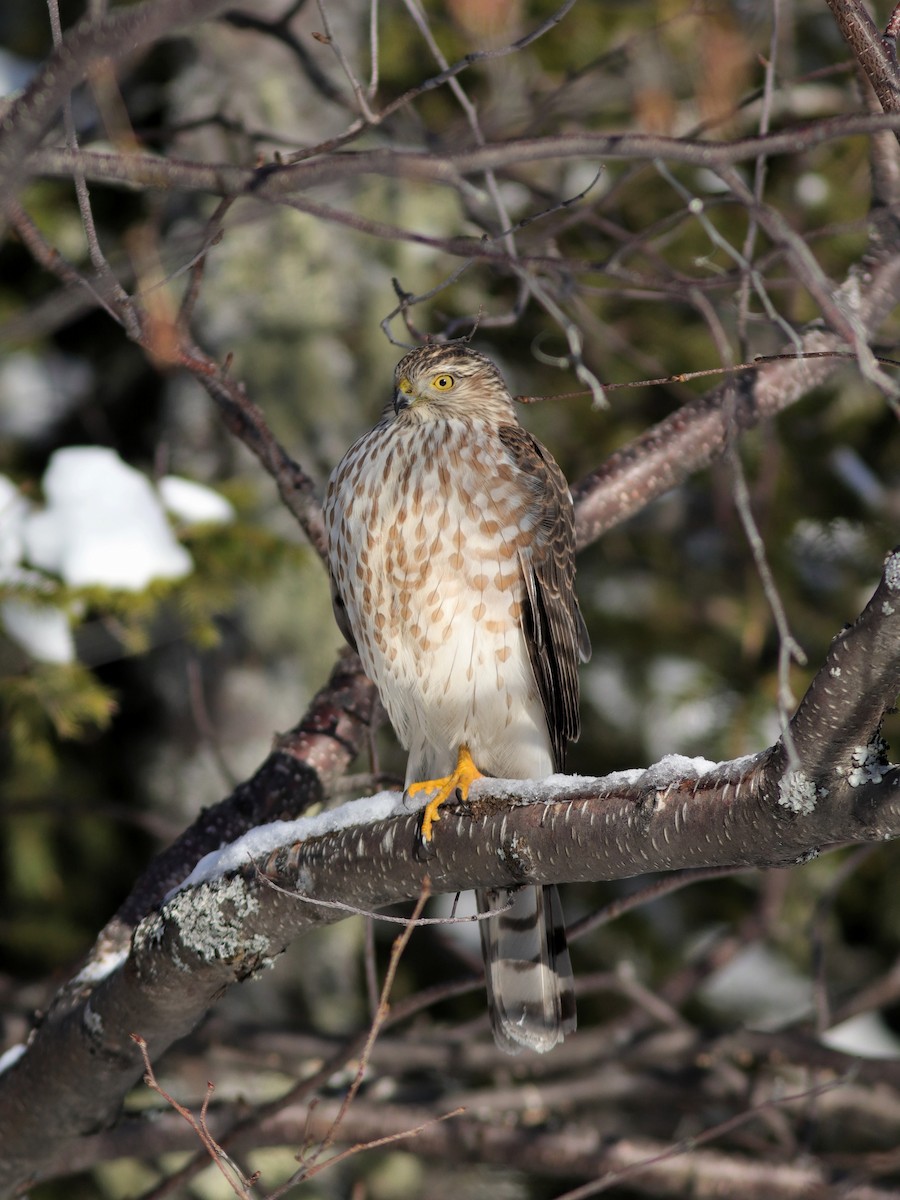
(246, 421)
(304, 765)
(750, 812)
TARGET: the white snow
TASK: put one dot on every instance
(760, 987)
(13, 1054)
(98, 968)
(624, 779)
(866, 1036)
(532, 791)
(103, 524)
(13, 511)
(42, 630)
(38, 390)
(672, 768)
(193, 502)
(266, 838)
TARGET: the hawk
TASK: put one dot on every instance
(451, 554)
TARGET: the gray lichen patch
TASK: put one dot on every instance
(212, 918)
(92, 1021)
(892, 571)
(868, 764)
(797, 792)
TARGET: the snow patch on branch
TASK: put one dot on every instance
(43, 631)
(546, 790)
(675, 768)
(267, 838)
(102, 965)
(104, 524)
(13, 1054)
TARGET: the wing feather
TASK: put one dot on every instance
(341, 615)
(555, 632)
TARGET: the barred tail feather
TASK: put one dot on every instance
(531, 992)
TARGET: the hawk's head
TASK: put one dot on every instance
(438, 382)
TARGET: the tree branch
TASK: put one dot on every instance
(111, 35)
(207, 936)
(871, 50)
(652, 1168)
(277, 182)
(697, 434)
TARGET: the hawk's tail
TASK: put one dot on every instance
(531, 991)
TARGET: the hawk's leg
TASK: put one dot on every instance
(459, 782)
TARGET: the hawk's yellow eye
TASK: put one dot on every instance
(443, 383)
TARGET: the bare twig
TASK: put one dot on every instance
(239, 1183)
(277, 183)
(309, 1164)
(612, 1178)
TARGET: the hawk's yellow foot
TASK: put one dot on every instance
(459, 782)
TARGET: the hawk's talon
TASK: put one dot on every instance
(424, 850)
(457, 784)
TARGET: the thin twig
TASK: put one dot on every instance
(686, 1145)
(760, 169)
(380, 1017)
(360, 93)
(118, 298)
(240, 1184)
(352, 910)
(647, 894)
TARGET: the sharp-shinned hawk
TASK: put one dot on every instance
(451, 549)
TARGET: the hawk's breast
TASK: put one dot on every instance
(426, 525)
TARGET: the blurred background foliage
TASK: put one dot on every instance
(179, 691)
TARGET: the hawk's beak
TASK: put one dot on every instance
(403, 395)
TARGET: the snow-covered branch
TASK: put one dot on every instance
(226, 921)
